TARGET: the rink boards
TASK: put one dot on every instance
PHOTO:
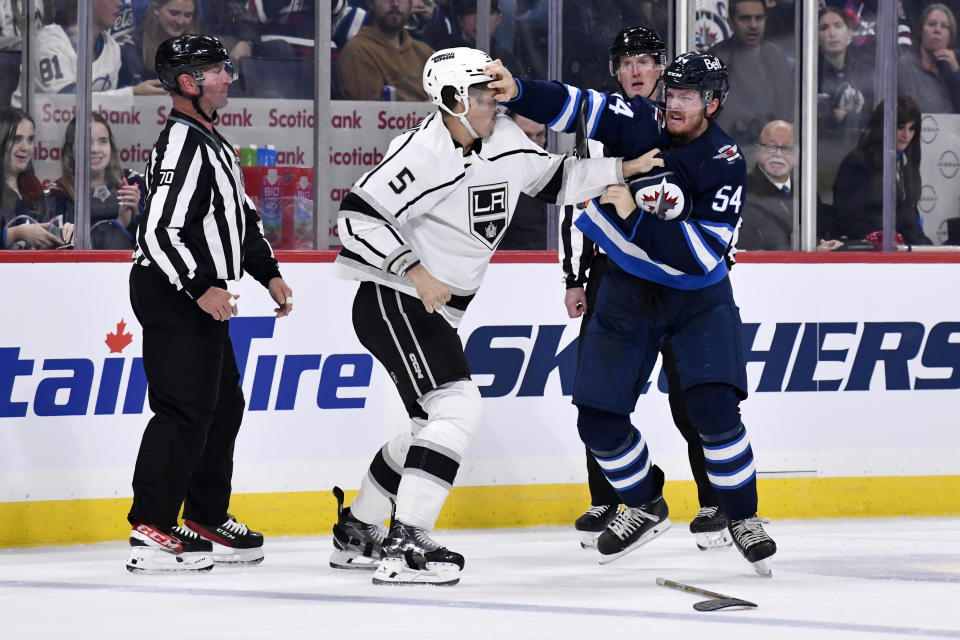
(853, 370)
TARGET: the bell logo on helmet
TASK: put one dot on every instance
(712, 64)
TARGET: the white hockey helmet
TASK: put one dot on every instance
(459, 68)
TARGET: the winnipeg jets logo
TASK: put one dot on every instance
(728, 152)
(712, 26)
(664, 200)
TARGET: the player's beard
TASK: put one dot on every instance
(684, 129)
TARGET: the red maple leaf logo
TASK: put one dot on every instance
(117, 341)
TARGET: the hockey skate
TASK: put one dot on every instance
(233, 543)
(357, 545)
(411, 557)
(593, 521)
(709, 528)
(754, 543)
(635, 526)
(167, 549)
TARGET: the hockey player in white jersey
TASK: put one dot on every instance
(418, 231)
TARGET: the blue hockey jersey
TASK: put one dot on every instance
(687, 211)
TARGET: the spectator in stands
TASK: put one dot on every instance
(22, 192)
(528, 226)
(467, 19)
(768, 206)
(55, 66)
(929, 72)
(844, 79)
(383, 61)
(858, 190)
(165, 19)
(117, 195)
(345, 23)
(761, 80)
(429, 24)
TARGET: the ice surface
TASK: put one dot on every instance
(831, 579)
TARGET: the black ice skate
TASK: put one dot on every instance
(356, 544)
(156, 549)
(754, 543)
(710, 529)
(635, 526)
(593, 521)
(411, 557)
(233, 543)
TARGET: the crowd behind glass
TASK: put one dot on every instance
(378, 48)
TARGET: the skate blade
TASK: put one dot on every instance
(230, 556)
(657, 531)
(352, 561)
(588, 539)
(710, 540)
(394, 571)
(147, 561)
(762, 567)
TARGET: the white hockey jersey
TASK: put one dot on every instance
(428, 202)
(55, 67)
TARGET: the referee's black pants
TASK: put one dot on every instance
(186, 454)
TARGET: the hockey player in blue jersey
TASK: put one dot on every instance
(637, 61)
(666, 235)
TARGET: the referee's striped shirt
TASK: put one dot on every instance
(199, 226)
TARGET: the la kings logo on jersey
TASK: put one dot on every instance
(488, 212)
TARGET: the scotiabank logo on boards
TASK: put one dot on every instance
(505, 360)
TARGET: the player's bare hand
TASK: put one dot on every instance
(620, 196)
(282, 295)
(219, 303)
(643, 164)
(575, 300)
(502, 81)
(433, 293)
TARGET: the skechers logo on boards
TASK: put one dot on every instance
(788, 364)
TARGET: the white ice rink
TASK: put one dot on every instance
(890, 578)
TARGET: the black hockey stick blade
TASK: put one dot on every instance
(717, 600)
(723, 603)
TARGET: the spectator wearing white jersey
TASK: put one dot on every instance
(55, 66)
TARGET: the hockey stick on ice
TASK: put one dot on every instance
(717, 601)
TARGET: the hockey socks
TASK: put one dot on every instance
(731, 470)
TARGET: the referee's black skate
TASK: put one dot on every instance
(593, 521)
(635, 526)
(356, 544)
(754, 543)
(156, 549)
(410, 556)
(709, 528)
(233, 542)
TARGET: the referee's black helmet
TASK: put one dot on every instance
(637, 41)
(190, 53)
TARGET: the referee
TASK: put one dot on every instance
(199, 231)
